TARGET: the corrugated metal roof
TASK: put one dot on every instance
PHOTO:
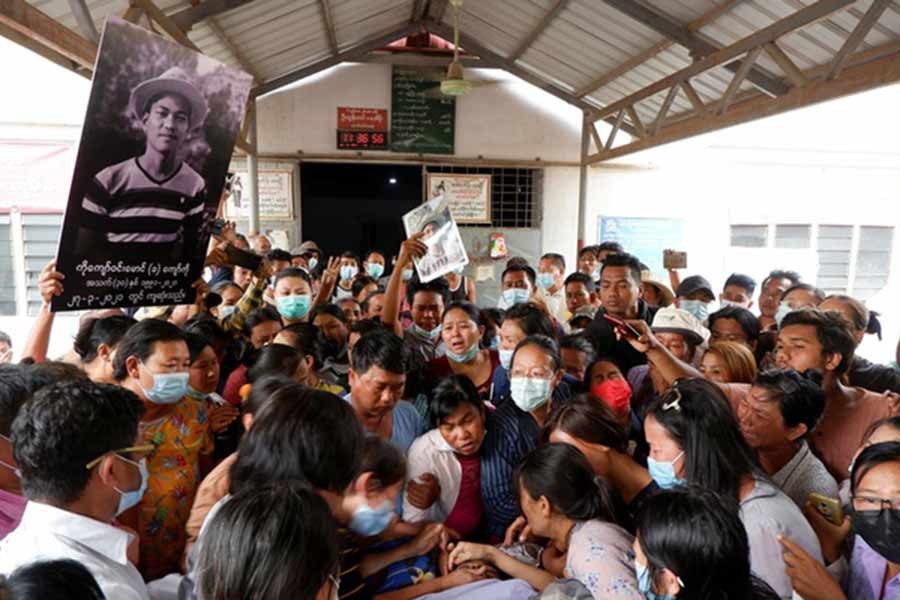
(587, 39)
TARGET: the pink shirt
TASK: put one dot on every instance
(11, 508)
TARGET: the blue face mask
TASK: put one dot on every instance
(466, 356)
(348, 272)
(515, 296)
(495, 342)
(505, 358)
(226, 311)
(368, 521)
(129, 499)
(663, 473)
(312, 262)
(644, 583)
(425, 335)
(545, 280)
(407, 274)
(529, 393)
(698, 308)
(293, 307)
(783, 310)
(168, 388)
(375, 270)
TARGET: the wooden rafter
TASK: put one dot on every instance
(785, 63)
(50, 54)
(166, 23)
(30, 22)
(735, 84)
(612, 134)
(862, 73)
(328, 24)
(535, 33)
(692, 95)
(698, 46)
(188, 17)
(595, 135)
(664, 109)
(636, 122)
(857, 36)
(801, 18)
(644, 56)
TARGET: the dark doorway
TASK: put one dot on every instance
(358, 207)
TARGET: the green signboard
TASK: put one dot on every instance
(421, 123)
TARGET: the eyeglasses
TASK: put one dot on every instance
(873, 503)
(144, 448)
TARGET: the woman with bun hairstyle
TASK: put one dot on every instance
(562, 501)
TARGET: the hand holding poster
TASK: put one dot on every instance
(155, 147)
(445, 246)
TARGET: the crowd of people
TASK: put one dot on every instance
(334, 427)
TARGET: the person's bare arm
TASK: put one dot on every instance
(49, 285)
(439, 584)
(466, 551)
(329, 280)
(668, 366)
(427, 539)
(409, 249)
(471, 293)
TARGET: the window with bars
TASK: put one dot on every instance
(515, 193)
(40, 235)
(873, 261)
(749, 236)
(7, 270)
(834, 248)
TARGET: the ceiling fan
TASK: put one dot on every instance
(454, 82)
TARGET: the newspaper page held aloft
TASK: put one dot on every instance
(446, 251)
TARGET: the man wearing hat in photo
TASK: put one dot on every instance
(695, 295)
(681, 333)
(152, 205)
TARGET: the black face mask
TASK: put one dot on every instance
(880, 529)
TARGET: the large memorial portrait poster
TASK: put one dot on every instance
(155, 148)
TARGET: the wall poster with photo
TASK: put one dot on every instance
(469, 196)
(276, 196)
(155, 148)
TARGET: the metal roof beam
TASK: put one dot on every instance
(699, 47)
(797, 20)
(82, 15)
(865, 74)
(502, 62)
(351, 54)
(188, 17)
(537, 31)
(328, 24)
(237, 54)
(642, 57)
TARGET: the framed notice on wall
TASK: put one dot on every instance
(645, 238)
(276, 196)
(469, 196)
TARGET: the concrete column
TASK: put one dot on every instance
(583, 181)
(253, 172)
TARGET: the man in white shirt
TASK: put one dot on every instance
(551, 271)
(75, 445)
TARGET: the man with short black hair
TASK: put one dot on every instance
(551, 269)
(620, 297)
(576, 354)
(772, 289)
(516, 284)
(580, 291)
(607, 248)
(734, 324)
(76, 444)
(588, 263)
(377, 379)
(738, 291)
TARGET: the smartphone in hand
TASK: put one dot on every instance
(830, 508)
(622, 326)
(673, 259)
(242, 258)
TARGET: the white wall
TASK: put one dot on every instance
(506, 120)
